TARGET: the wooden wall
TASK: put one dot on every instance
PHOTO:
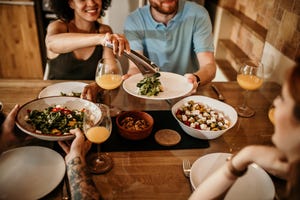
(20, 54)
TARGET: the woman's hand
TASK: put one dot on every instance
(269, 158)
(119, 42)
(217, 184)
(78, 148)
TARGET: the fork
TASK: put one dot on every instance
(186, 166)
(220, 96)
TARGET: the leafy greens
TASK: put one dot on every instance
(55, 120)
(150, 86)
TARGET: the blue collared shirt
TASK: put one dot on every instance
(173, 47)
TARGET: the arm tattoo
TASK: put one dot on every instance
(81, 182)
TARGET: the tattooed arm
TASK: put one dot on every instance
(81, 182)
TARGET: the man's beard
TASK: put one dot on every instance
(165, 10)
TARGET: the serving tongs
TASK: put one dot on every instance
(146, 66)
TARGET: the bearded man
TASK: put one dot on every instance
(176, 35)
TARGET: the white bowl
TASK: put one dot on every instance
(71, 103)
(227, 110)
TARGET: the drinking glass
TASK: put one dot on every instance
(271, 114)
(98, 162)
(109, 76)
(249, 77)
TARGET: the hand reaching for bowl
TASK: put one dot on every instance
(10, 136)
(91, 91)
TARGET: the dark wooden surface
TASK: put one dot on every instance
(158, 174)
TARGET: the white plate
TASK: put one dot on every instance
(30, 172)
(72, 103)
(174, 86)
(65, 87)
(255, 184)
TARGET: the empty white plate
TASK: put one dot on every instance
(30, 172)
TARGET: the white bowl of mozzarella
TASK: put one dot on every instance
(204, 117)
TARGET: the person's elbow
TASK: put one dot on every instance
(50, 44)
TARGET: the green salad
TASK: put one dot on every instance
(150, 86)
(55, 120)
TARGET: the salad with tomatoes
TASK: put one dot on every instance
(55, 120)
(202, 117)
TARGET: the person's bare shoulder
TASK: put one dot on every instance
(105, 29)
(57, 26)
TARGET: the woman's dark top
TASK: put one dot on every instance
(67, 67)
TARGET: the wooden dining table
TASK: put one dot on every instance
(157, 174)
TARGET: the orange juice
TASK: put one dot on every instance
(249, 82)
(271, 115)
(97, 134)
(109, 81)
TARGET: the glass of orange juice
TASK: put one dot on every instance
(271, 114)
(98, 162)
(109, 76)
(250, 78)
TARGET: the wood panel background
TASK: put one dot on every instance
(20, 55)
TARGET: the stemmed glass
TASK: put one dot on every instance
(271, 114)
(98, 133)
(250, 77)
(109, 76)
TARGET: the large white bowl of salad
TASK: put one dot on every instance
(51, 118)
(204, 117)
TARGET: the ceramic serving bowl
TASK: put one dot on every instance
(72, 103)
(134, 125)
(227, 111)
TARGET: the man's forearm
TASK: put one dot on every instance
(207, 73)
(81, 182)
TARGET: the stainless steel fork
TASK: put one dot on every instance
(186, 166)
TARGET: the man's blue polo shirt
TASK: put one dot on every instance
(173, 47)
